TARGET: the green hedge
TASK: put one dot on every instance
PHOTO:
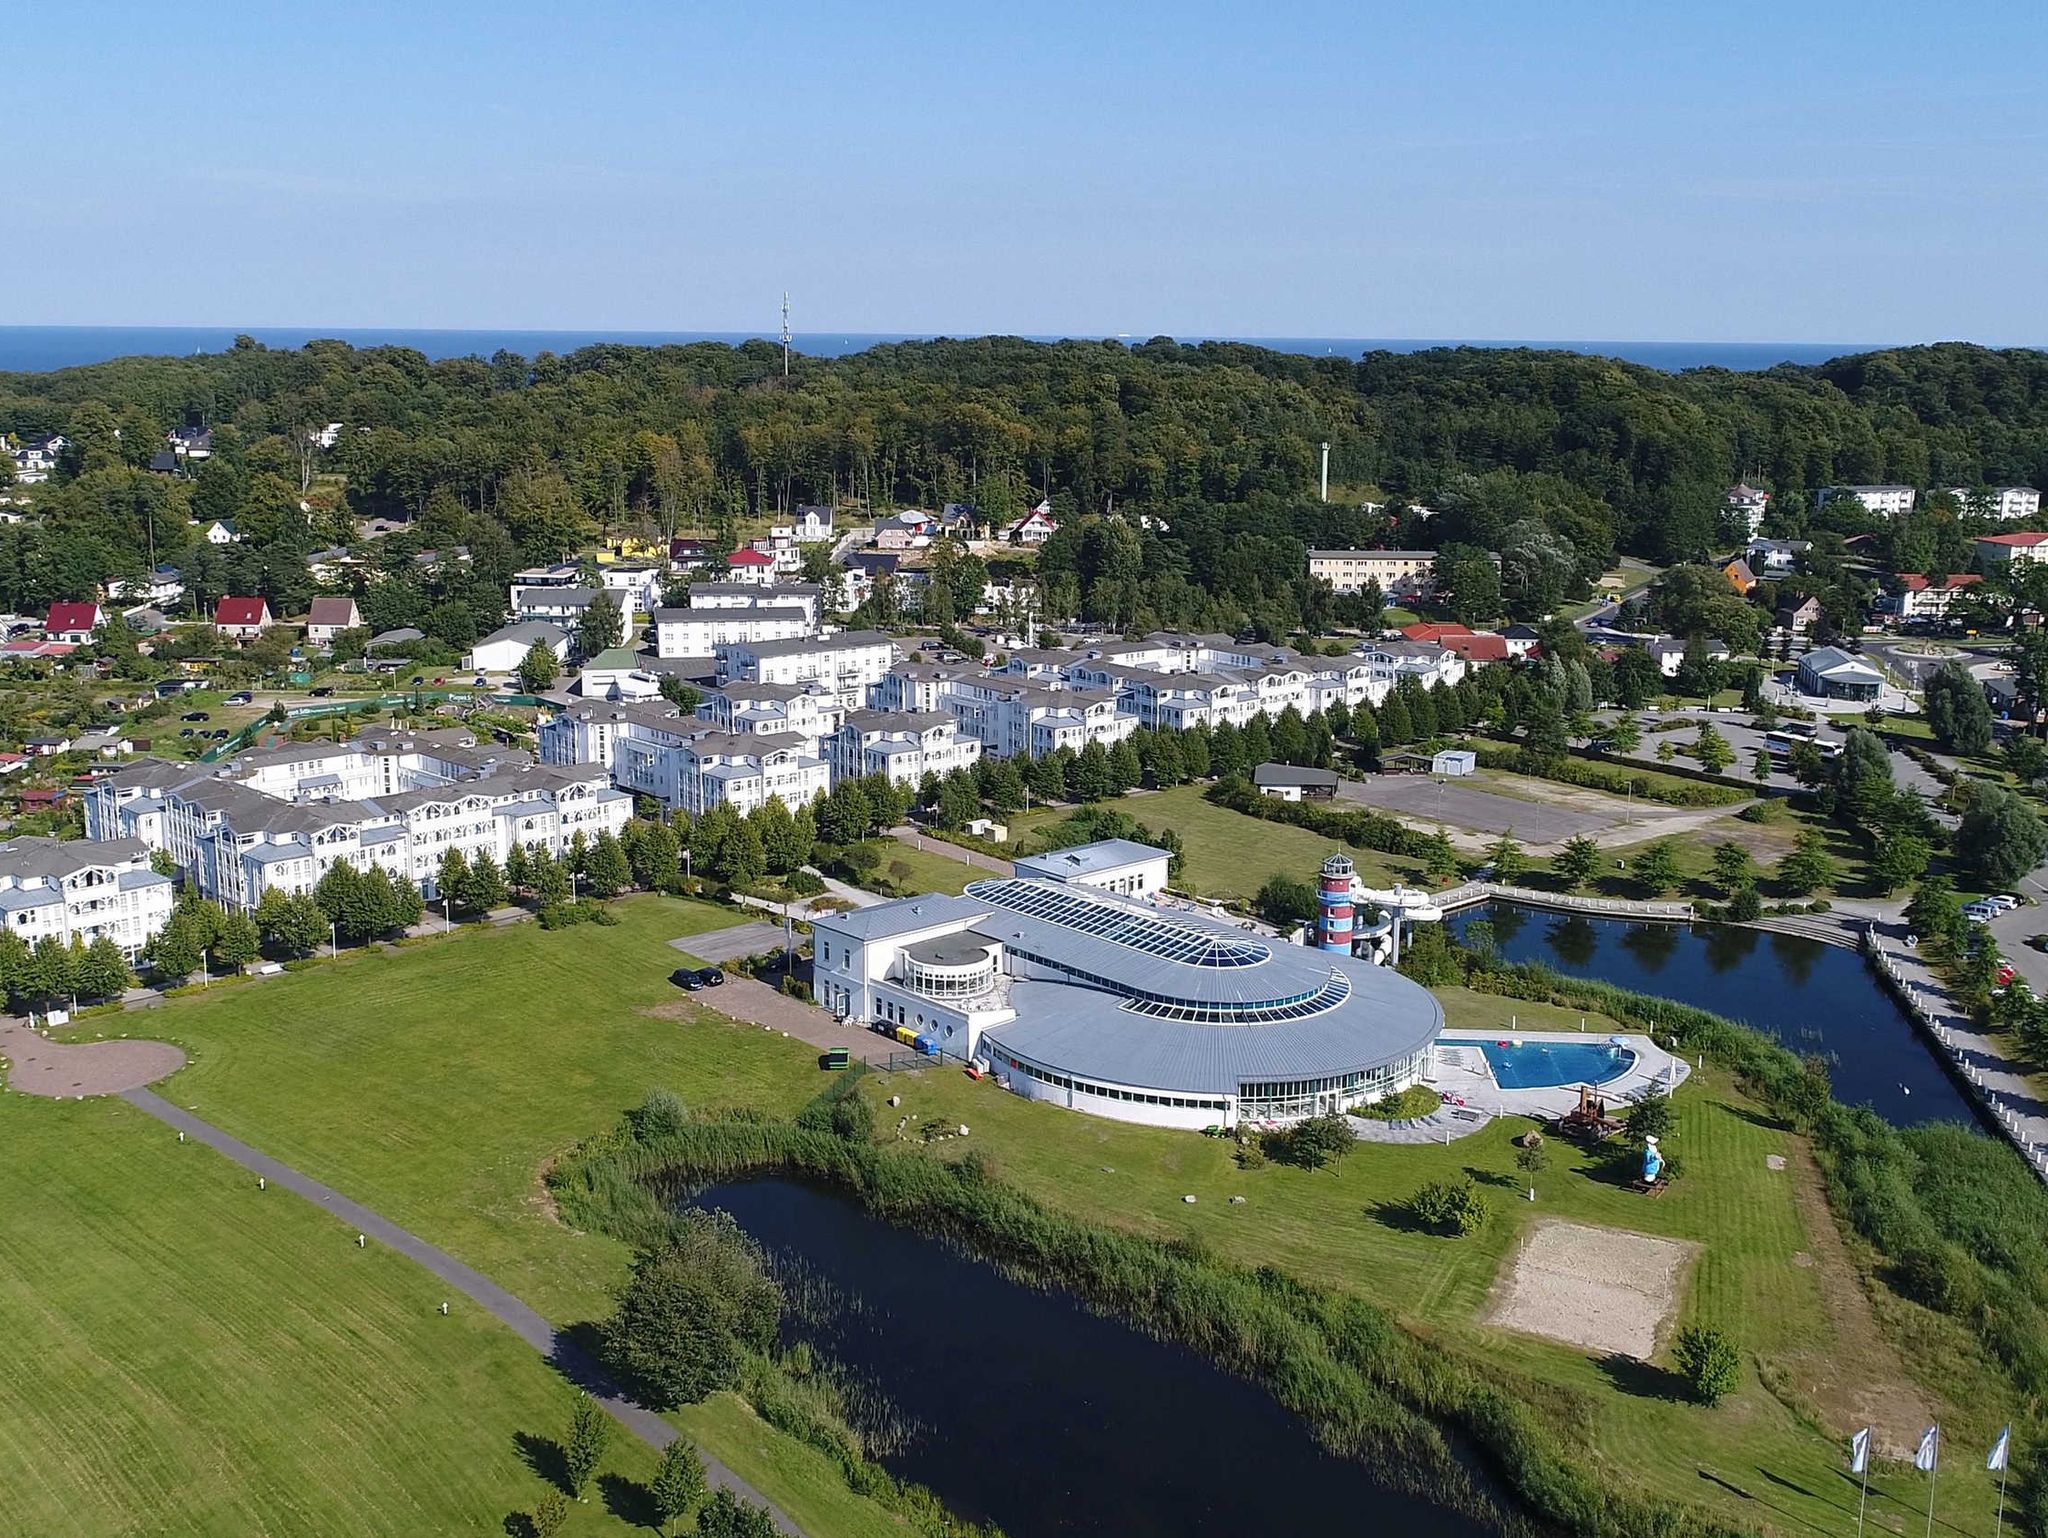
(1599, 771)
(1360, 830)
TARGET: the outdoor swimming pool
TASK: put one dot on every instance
(1547, 1064)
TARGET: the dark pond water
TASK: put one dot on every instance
(1813, 997)
(1036, 1415)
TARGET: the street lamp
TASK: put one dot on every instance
(447, 918)
(205, 977)
(333, 940)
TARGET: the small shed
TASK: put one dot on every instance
(1454, 761)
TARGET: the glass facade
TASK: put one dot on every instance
(1293, 1099)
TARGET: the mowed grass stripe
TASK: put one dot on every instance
(186, 1354)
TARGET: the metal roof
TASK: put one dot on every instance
(1087, 859)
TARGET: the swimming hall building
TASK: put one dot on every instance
(1127, 1009)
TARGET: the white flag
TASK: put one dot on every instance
(1927, 1458)
(1859, 1452)
(1999, 1451)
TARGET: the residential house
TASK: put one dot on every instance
(812, 524)
(36, 457)
(243, 619)
(221, 531)
(1800, 617)
(1522, 641)
(1739, 576)
(328, 617)
(635, 589)
(902, 746)
(685, 554)
(1668, 652)
(75, 623)
(1774, 557)
(563, 606)
(190, 442)
(700, 632)
(751, 566)
(164, 585)
(1285, 782)
(1034, 528)
(845, 665)
(1921, 597)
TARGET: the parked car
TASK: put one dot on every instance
(710, 977)
(323, 691)
(195, 715)
(419, 678)
(2005, 902)
(480, 682)
(241, 697)
(686, 979)
(2006, 973)
(186, 732)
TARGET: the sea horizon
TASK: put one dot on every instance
(40, 349)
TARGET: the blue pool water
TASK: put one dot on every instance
(1547, 1064)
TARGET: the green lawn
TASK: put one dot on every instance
(186, 1355)
(436, 1085)
(1755, 1275)
(1230, 855)
(913, 870)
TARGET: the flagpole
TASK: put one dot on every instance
(1863, 1500)
(1933, 1474)
(1999, 1530)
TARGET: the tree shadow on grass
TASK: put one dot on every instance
(519, 1524)
(546, 1457)
(1640, 1379)
(1495, 1178)
(1398, 1217)
(629, 1500)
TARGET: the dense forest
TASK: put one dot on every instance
(1185, 475)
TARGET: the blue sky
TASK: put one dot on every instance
(1734, 171)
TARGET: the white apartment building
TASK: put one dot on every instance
(75, 889)
(748, 595)
(1749, 504)
(902, 745)
(635, 589)
(1397, 573)
(699, 633)
(747, 709)
(845, 665)
(741, 772)
(1885, 501)
(2004, 503)
(1996, 550)
(283, 818)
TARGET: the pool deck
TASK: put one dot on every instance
(1462, 1072)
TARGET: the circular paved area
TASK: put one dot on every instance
(39, 1066)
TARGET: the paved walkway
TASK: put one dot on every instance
(59, 1070)
(561, 1352)
(2007, 1096)
(748, 939)
(754, 1003)
(1437, 1127)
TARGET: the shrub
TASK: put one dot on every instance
(1313, 1143)
(1452, 1207)
(661, 1115)
(1708, 1361)
(853, 1119)
(691, 1306)
(1417, 1100)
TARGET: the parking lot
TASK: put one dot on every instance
(1470, 805)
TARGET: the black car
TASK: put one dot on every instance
(323, 691)
(195, 715)
(686, 978)
(710, 977)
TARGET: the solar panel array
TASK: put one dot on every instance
(1145, 933)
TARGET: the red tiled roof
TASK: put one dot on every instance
(1913, 582)
(72, 616)
(749, 558)
(1478, 647)
(239, 611)
(1441, 634)
(2020, 540)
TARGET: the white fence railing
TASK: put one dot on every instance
(2003, 1113)
(1611, 907)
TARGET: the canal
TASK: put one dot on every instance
(1023, 1409)
(1813, 997)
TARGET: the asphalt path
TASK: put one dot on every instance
(561, 1352)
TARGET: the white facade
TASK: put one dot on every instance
(750, 595)
(1995, 550)
(750, 709)
(1885, 501)
(695, 632)
(1750, 505)
(902, 746)
(66, 889)
(1397, 573)
(844, 665)
(717, 769)
(503, 650)
(1112, 864)
(282, 818)
(2001, 502)
(635, 589)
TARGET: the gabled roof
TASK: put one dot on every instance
(1440, 633)
(339, 611)
(2017, 541)
(749, 558)
(72, 616)
(1913, 582)
(241, 611)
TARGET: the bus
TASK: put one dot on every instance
(1781, 743)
